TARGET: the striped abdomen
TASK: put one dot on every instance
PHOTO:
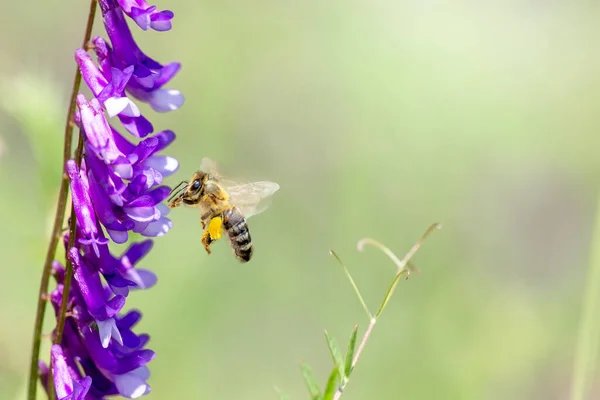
(236, 227)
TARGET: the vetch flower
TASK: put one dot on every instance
(116, 188)
(109, 88)
(120, 273)
(68, 383)
(149, 76)
(109, 92)
(147, 16)
(122, 206)
(84, 208)
(119, 368)
(100, 303)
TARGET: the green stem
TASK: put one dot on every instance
(401, 266)
(57, 226)
(356, 291)
(586, 354)
(62, 314)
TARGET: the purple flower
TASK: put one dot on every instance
(109, 88)
(122, 205)
(68, 384)
(101, 304)
(146, 16)
(119, 368)
(120, 273)
(116, 189)
(149, 76)
(84, 209)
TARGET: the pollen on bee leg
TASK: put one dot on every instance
(206, 241)
(215, 228)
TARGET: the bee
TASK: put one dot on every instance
(225, 206)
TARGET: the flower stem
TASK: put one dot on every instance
(60, 325)
(401, 266)
(586, 354)
(58, 219)
(62, 313)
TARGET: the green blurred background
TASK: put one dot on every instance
(377, 118)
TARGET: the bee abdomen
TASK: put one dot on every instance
(236, 227)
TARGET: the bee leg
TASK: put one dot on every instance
(206, 241)
(203, 219)
(174, 203)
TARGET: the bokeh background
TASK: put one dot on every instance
(377, 118)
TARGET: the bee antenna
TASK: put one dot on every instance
(179, 186)
(177, 190)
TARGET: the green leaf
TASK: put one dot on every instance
(336, 354)
(311, 382)
(388, 294)
(282, 396)
(331, 384)
(586, 354)
(350, 352)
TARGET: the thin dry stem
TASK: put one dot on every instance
(400, 264)
(354, 286)
(401, 268)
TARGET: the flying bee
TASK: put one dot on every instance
(225, 206)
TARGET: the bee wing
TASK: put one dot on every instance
(209, 166)
(251, 198)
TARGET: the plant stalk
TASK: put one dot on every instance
(58, 219)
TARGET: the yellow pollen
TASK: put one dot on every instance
(215, 228)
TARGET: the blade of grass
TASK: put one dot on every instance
(336, 354)
(331, 386)
(388, 294)
(311, 382)
(282, 396)
(586, 353)
(350, 352)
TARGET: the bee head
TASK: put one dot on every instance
(187, 192)
(196, 186)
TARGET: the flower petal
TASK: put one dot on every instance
(138, 126)
(63, 383)
(143, 278)
(131, 385)
(164, 164)
(117, 236)
(165, 100)
(108, 330)
(81, 388)
(121, 105)
(157, 228)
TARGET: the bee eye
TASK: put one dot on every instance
(196, 185)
